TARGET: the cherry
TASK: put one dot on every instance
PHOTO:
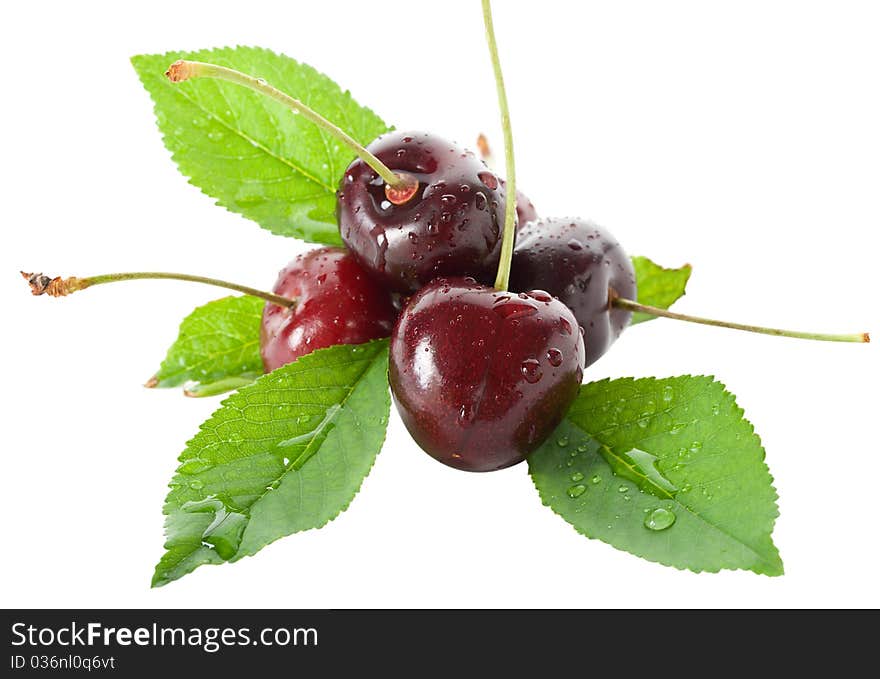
(450, 226)
(481, 377)
(525, 210)
(578, 262)
(336, 303)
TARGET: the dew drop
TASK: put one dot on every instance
(554, 356)
(490, 181)
(480, 201)
(194, 466)
(622, 489)
(512, 310)
(197, 484)
(596, 479)
(576, 491)
(668, 393)
(531, 370)
(577, 476)
(659, 519)
(575, 244)
(562, 441)
(566, 326)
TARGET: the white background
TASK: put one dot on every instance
(742, 137)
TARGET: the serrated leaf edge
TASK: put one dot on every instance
(772, 521)
(172, 380)
(315, 238)
(237, 557)
(638, 317)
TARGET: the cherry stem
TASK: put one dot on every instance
(628, 304)
(502, 280)
(61, 287)
(183, 70)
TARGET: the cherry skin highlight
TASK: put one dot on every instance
(481, 377)
(578, 262)
(336, 303)
(450, 227)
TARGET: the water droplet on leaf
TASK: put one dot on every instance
(576, 491)
(659, 519)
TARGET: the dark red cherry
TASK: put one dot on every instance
(482, 377)
(525, 209)
(577, 261)
(450, 227)
(337, 303)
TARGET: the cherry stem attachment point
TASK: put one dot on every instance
(61, 287)
(629, 305)
(502, 280)
(399, 186)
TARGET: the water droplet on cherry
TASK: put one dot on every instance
(531, 370)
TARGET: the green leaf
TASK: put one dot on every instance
(217, 348)
(658, 286)
(283, 455)
(634, 455)
(251, 153)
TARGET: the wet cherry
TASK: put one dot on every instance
(336, 303)
(451, 226)
(481, 377)
(525, 210)
(577, 261)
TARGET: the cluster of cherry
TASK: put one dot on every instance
(480, 376)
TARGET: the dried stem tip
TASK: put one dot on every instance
(180, 70)
(483, 146)
(54, 287)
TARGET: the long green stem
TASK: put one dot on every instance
(630, 305)
(60, 287)
(187, 70)
(503, 278)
